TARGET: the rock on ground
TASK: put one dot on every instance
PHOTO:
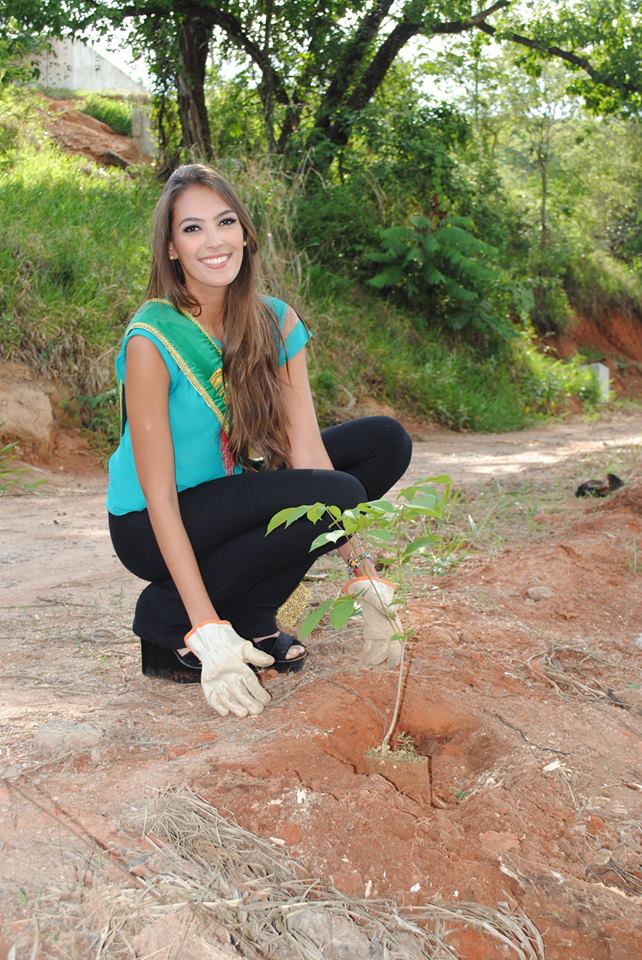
(25, 410)
(60, 736)
(181, 935)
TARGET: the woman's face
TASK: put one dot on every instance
(207, 239)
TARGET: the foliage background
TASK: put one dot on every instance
(480, 196)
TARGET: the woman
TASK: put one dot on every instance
(210, 371)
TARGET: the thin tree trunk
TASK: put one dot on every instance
(542, 153)
(194, 40)
(266, 90)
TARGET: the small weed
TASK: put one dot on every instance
(404, 747)
(11, 475)
(460, 794)
(8, 472)
(117, 598)
(403, 751)
(495, 514)
(633, 563)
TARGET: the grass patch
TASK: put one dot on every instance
(116, 113)
(599, 285)
(12, 476)
(73, 260)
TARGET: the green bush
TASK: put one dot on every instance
(441, 268)
(377, 349)
(336, 223)
(117, 114)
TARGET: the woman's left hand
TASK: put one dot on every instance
(381, 625)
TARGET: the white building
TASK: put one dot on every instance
(72, 65)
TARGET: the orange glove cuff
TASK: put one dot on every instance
(352, 580)
(202, 624)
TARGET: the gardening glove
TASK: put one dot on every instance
(228, 683)
(380, 620)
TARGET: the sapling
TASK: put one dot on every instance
(407, 528)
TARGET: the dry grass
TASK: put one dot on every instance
(246, 885)
(210, 889)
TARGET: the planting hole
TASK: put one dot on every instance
(437, 751)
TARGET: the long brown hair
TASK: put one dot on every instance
(251, 334)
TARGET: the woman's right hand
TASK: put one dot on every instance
(228, 683)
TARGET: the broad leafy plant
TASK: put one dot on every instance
(441, 267)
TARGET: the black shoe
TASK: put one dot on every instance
(168, 664)
(278, 647)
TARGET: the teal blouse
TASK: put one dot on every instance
(194, 428)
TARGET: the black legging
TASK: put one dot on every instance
(248, 575)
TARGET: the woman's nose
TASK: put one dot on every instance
(212, 237)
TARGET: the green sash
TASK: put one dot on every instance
(196, 353)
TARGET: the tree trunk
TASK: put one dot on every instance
(542, 154)
(194, 40)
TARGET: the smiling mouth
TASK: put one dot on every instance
(215, 262)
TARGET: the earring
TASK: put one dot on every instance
(245, 243)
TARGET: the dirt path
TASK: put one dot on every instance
(64, 520)
(529, 710)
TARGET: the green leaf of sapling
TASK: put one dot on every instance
(411, 511)
(331, 536)
(386, 505)
(315, 512)
(418, 544)
(381, 533)
(287, 517)
(425, 500)
(343, 609)
(313, 619)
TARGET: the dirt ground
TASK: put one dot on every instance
(523, 691)
(81, 134)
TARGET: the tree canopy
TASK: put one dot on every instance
(317, 65)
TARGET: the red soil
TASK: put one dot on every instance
(79, 133)
(618, 337)
(527, 710)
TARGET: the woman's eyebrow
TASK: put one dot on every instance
(201, 219)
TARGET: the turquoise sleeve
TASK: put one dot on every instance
(297, 337)
(168, 360)
(295, 341)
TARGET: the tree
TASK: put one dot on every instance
(318, 66)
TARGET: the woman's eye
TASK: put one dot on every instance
(227, 221)
(191, 228)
